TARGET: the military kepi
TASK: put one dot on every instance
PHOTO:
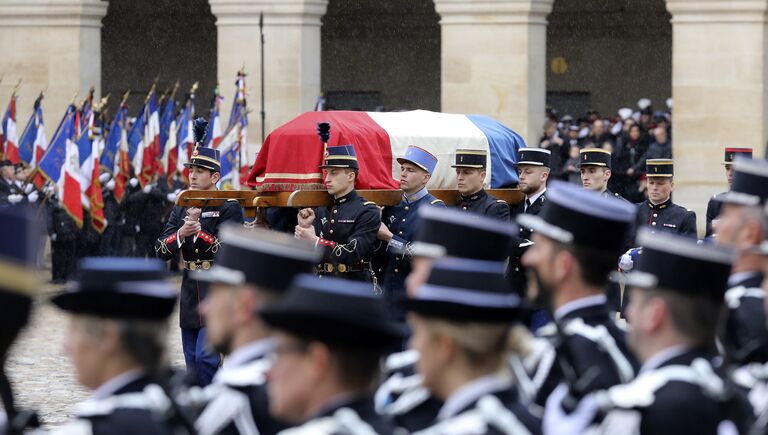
(419, 157)
(750, 183)
(534, 157)
(205, 157)
(340, 156)
(659, 168)
(679, 264)
(595, 157)
(120, 288)
(333, 311)
(461, 289)
(732, 153)
(582, 217)
(266, 259)
(477, 159)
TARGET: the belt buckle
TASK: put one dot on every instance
(206, 265)
(328, 267)
(342, 268)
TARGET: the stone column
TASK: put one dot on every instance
(494, 60)
(291, 52)
(719, 88)
(53, 45)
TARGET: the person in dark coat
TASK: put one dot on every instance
(714, 204)
(194, 232)
(658, 212)
(346, 230)
(627, 155)
(116, 339)
(677, 294)
(63, 232)
(330, 334)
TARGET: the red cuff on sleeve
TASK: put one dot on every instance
(207, 237)
(170, 239)
(328, 243)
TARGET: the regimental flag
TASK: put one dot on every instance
(11, 145)
(167, 134)
(61, 164)
(85, 112)
(53, 161)
(122, 162)
(214, 136)
(145, 162)
(112, 141)
(33, 142)
(136, 132)
(185, 141)
(93, 195)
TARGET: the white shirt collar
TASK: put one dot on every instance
(535, 196)
(737, 278)
(578, 304)
(472, 392)
(249, 352)
(111, 386)
(660, 358)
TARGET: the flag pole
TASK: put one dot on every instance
(263, 114)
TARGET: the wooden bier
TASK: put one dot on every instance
(250, 200)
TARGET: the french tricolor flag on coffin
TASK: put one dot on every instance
(291, 154)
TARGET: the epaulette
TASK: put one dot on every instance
(151, 398)
(226, 405)
(501, 201)
(733, 296)
(400, 360)
(369, 203)
(254, 373)
(436, 201)
(344, 420)
(599, 335)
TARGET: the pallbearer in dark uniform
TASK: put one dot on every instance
(470, 174)
(577, 238)
(22, 236)
(743, 334)
(116, 338)
(346, 230)
(714, 205)
(677, 293)
(398, 225)
(194, 232)
(329, 337)
(461, 319)
(658, 212)
(533, 172)
(253, 270)
(595, 168)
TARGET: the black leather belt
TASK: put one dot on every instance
(340, 267)
(198, 264)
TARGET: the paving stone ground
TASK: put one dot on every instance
(42, 375)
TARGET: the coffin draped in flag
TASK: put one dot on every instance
(61, 164)
(33, 142)
(379, 138)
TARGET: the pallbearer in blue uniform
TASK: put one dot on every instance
(470, 175)
(253, 270)
(677, 293)
(578, 237)
(658, 212)
(399, 225)
(714, 205)
(742, 227)
(194, 232)
(116, 338)
(347, 229)
(461, 319)
(329, 337)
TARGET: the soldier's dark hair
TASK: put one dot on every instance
(694, 317)
(595, 265)
(356, 367)
(144, 341)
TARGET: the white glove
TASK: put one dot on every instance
(133, 182)
(53, 237)
(171, 197)
(556, 421)
(111, 184)
(147, 188)
(627, 261)
(32, 197)
(14, 199)
(49, 190)
(30, 187)
(103, 178)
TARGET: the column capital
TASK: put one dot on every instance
(493, 11)
(52, 13)
(717, 11)
(276, 12)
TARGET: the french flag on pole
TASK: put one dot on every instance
(61, 164)
(148, 151)
(215, 135)
(33, 142)
(186, 138)
(11, 151)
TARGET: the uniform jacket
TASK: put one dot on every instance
(352, 416)
(201, 248)
(666, 216)
(483, 204)
(515, 270)
(713, 211)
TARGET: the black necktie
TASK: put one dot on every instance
(527, 204)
